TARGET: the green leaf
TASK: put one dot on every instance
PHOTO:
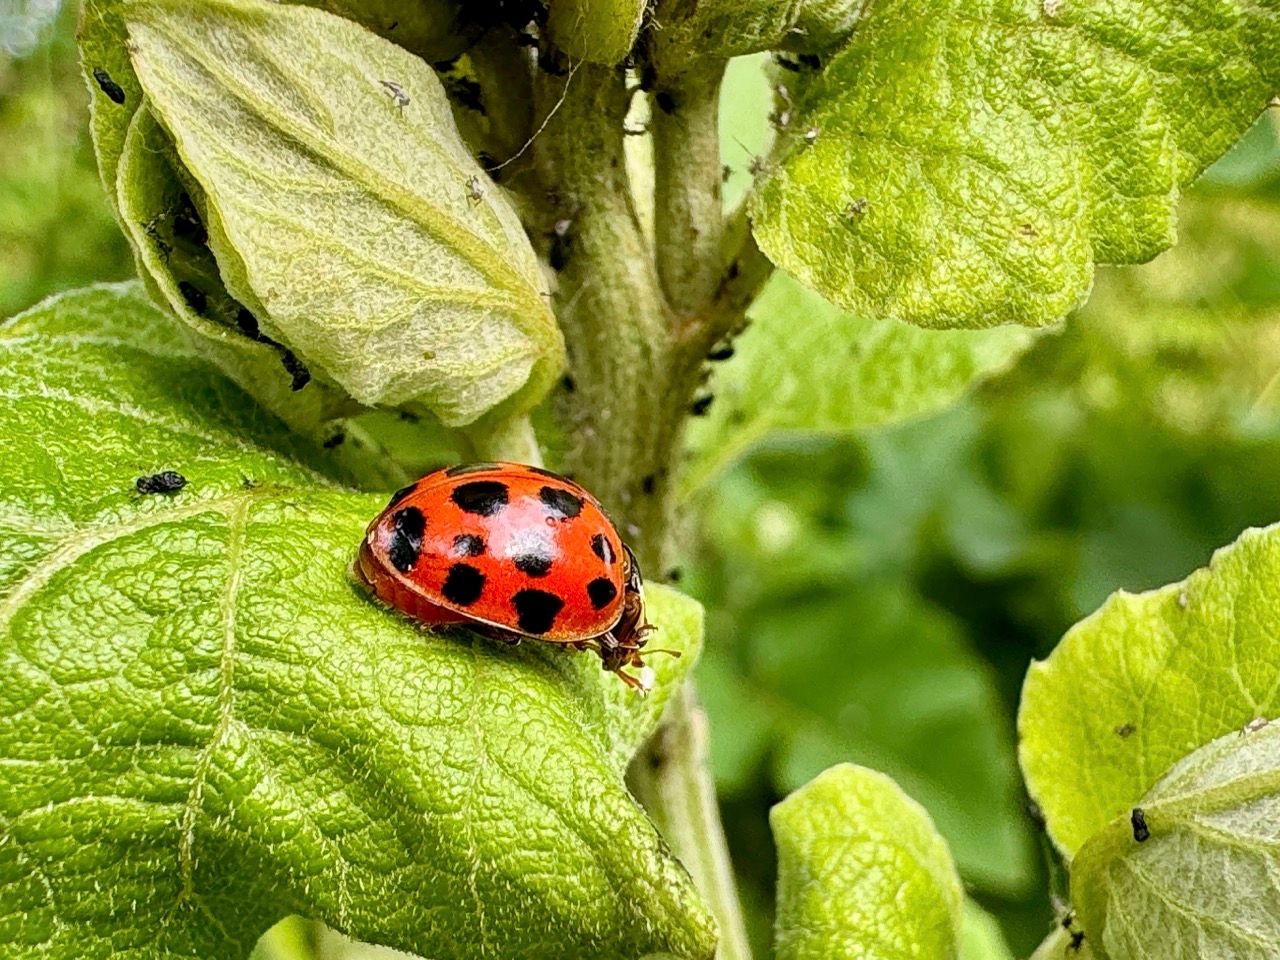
(205, 726)
(806, 366)
(964, 164)
(981, 937)
(1205, 883)
(871, 674)
(1165, 672)
(149, 193)
(346, 214)
(602, 31)
(862, 873)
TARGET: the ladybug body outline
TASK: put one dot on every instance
(512, 552)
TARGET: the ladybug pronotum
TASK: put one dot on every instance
(512, 552)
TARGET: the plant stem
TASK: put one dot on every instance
(687, 181)
(624, 306)
(672, 778)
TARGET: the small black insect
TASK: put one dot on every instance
(296, 369)
(1138, 820)
(466, 93)
(568, 383)
(187, 224)
(721, 353)
(108, 86)
(336, 440)
(397, 93)
(649, 484)
(561, 245)
(701, 405)
(194, 296)
(1077, 940)
(166, 481)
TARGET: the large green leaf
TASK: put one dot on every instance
(806, 366)
(862, 873)
(1144, 681)
(963, 164)
(1203, 881)
(346, 214)
(205, 726)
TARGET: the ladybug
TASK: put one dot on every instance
(512, 552)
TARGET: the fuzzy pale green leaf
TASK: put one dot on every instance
(1205, 884)
(205, 726)
(806, 366)
(964, 164)
(349, 215)
(1147, 679)
(862, 873)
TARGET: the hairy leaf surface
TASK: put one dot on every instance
(807, 366)
(963, 164)
(862, 873)
(1147, 679)
(206, 726)
(1205, 883)
(344, 208)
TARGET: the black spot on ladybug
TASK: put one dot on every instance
(194, 296)
(463, 585)
(536, 610)
(336, 440)
(701, 405)
(462, 469)
(1138, 820)
(533, 564)
(482, 497)
(601, 591)
(166, 481)
(409, 525)
(561, 501)
(401, 494)
(601, 547)
(296, 369)
(108, 86)
(468, 545)
(666, 101)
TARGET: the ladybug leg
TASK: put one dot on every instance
(508, 637)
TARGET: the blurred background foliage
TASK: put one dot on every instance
(877, 598)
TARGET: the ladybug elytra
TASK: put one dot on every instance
(512, 552)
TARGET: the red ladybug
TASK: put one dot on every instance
(511, 551)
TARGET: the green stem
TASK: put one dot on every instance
(672, 778)
(511, 439)
(689, 221)
(634, 374)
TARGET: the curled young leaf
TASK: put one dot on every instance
(694, 32)
(964, 164)
(862, 873)
(1148, 678)
(343, 206)
(205, 726)
(602, 31)
(1193, 872)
